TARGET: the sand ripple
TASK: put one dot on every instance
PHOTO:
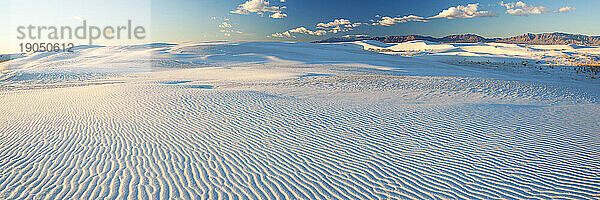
(170, 139)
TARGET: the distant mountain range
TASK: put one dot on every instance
(529, 38)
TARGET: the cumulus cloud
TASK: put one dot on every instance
(227, 29)
(338, 22)
(278, 15)
(308, 32)
(260, 7)
(338, 25)
(460, 11)
(335, 26)
(215, 18)
(231, 31)
(522, 9)
(225, 25)
(565, 9)
(299, 30)
(389, 21)
(280, 35)
(513, 5)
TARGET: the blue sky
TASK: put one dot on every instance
(309, 13)
(298, 20)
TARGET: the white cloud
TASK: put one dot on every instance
(278, 15)
(335, 26)
(565, 9)
(334, 23)
(280, 35)
(389, 21)
(299, 30)
(338, 25)
(259, 7)
(460, 11)
(227, 29)
(513, 5)
(224, 25)
(215, 18)
(231, 31)
(522, 9)
(308, 32)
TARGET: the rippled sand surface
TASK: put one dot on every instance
(277, 121)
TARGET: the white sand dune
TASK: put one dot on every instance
(373, 44)
(420, 45)
(556, 54)
(264, 120)
(558, 60)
